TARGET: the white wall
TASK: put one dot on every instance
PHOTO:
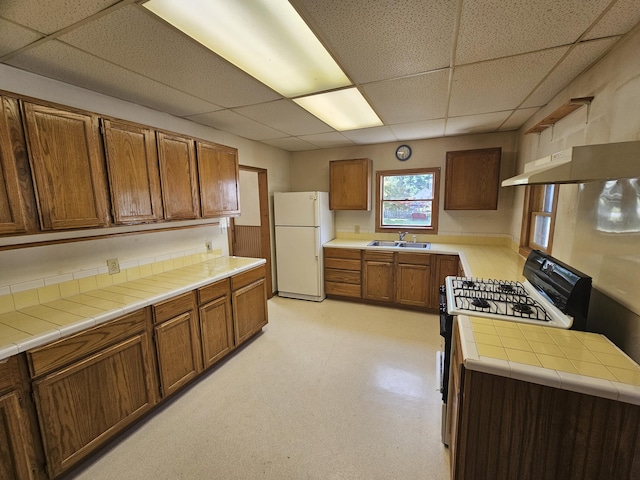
(24, 264)
(611, 257)
(310, 171)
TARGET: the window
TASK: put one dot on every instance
(538, 218)
(407, 200)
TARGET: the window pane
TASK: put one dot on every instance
(541, 227)
(407, 213)
(406, 187)
(547, 203)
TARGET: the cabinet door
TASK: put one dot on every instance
(178, 349)
(472, 179)
(378, 280)
(446, 265)
(83, 405)
(178, 177)
(134, 178)
(413, 285)
(14, 440)
(350, 184)
(12, 151)
(216, 329)
(68, 167)
(249, 310)
(219, 178)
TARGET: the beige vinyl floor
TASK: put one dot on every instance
(328, 391)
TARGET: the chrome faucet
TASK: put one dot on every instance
(402, 235)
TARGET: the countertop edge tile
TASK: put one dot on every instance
(492, 366)
(533, 374)
(7, 351)
(76, 327)
(38, 340)
(590, 386)
(627, 393)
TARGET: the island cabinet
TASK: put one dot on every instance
(249, 303)
(218, 174)
(216, 322)
(91, 385)
(178, 176)
(177, 338)
(502, 428)
(17, 202)
(378, 276)
(134, 176)
(343, 272)
(350, 184)
(67, 163)
(20, 447)
(413, 279)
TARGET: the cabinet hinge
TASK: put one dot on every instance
(101, 125)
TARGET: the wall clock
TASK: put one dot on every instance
(403, 152)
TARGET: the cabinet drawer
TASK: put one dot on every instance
(343, 276)
(62, 352)
(342, 253)
(343, 289)
(414, 258)
(213, 291)
(173, 307)
(245, 278)
(378, 256)
(342, 264)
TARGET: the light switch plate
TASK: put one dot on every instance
(113, 266)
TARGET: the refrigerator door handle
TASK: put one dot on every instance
(315, 210)
(315, 243)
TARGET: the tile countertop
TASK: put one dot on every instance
(35, 325)
(577, 361)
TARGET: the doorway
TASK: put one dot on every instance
(250, 234)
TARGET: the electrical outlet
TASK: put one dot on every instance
(209, 246)
(356, 229)
(113, 266)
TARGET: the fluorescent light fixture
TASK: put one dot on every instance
(342, 109)
(265, 38)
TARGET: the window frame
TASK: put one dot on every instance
(435, 206)
(533, 207)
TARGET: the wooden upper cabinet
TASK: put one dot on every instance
(134, 176)
(350, 184)
(472, 179)
(219, 179)
(12, 154)
(68, 167)
(178, 175)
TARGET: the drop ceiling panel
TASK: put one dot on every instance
(617, 21)
(143, 43)
(286, 116)
(291, 144)
(377, 40)
(48, 16)
(488, 122)
(578, 59)
(495, 28)
(418, 130)
(410, 99)
(518, 118)
(328, 140)
(499, 85)
(13, 37)
(61, 62)
(370, 135)
(230, 121)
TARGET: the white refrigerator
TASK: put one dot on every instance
(303, 223)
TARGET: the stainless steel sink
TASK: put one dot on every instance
(399, 244)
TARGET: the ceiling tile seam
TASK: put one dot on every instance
(259, 122)
(454, 48)
(403, 77)
(604, 12)
(65, 30)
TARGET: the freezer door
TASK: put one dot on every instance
(296, 209)
(298, 262)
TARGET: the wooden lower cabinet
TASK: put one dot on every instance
(343, 272)
(413, 279)
(93, 397)
(20, 447)
(216, 322)
(445, 265)
(177, 338)
(378, 276)
(502, 428)
(249, 302)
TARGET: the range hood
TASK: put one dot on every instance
(587, 163)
